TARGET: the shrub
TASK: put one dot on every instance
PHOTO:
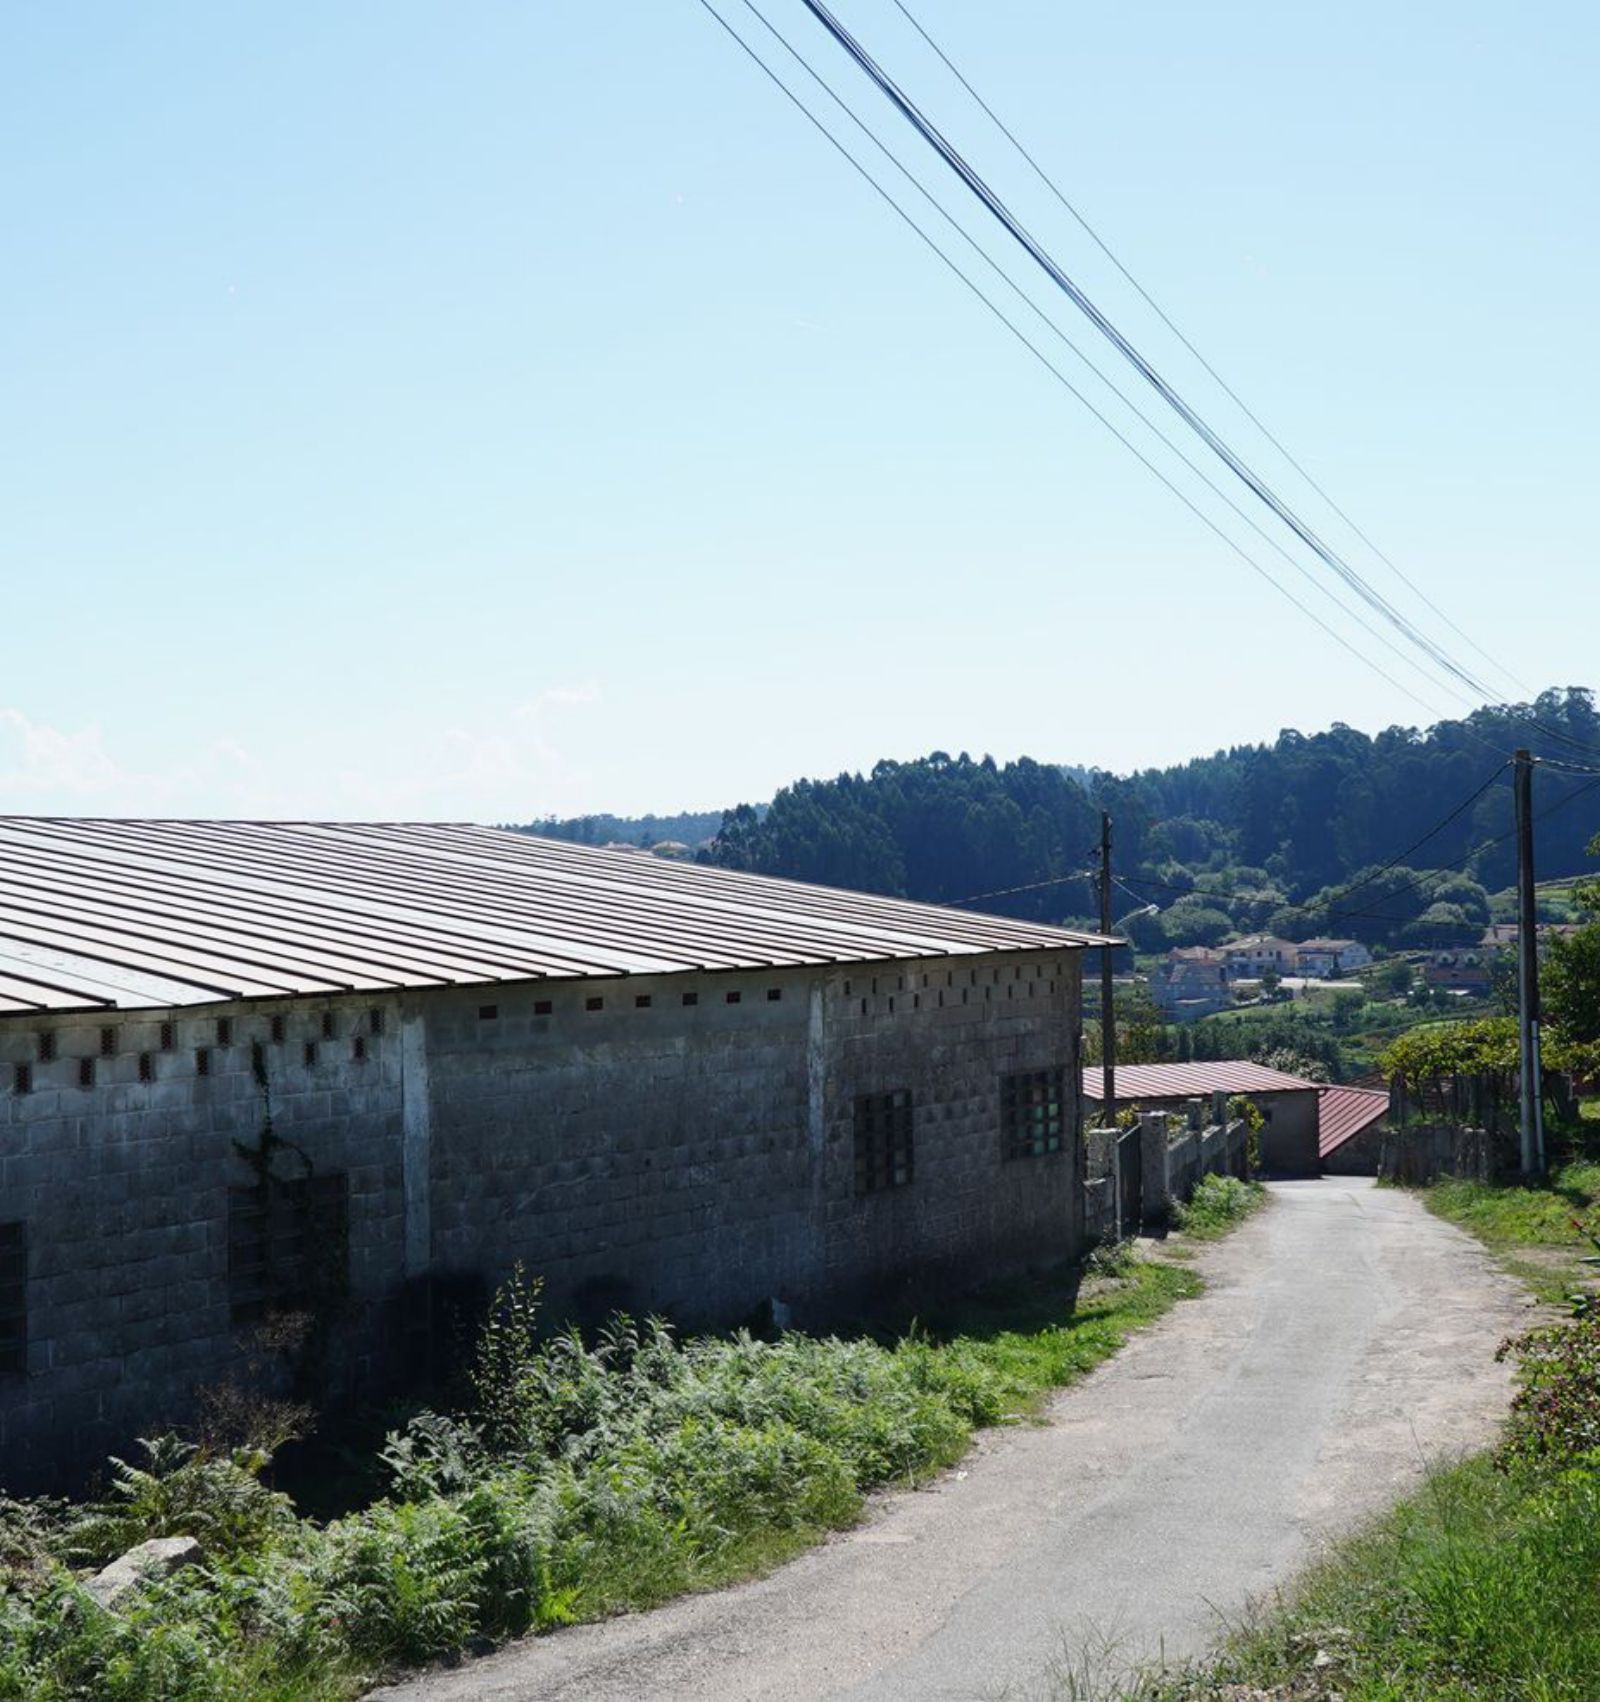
(221, 1503)
(1216, 1204)
(1555, 1415)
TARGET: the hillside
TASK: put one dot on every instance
(1262, 835)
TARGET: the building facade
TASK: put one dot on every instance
(693, 1141)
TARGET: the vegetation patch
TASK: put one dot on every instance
(582, 1477)
(1480, 1587)
(1217, 1205)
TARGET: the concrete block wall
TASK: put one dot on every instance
(698, 1157)
(123, 1184)
(686, 1145)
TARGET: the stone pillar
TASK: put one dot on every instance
(1157, 1193)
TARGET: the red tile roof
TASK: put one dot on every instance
(1344, 1112)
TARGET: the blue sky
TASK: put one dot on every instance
(487, 410)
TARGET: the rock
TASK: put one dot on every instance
(158, 1558)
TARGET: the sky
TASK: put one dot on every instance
(495, 410)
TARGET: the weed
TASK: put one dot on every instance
(1217, 1204)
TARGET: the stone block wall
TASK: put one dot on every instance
(674, 1143)
(118, 1158)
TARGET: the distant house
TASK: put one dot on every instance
(1330, 957)
(1503, 936)
(1458, 972)
(1260, 954)
(1193, 982)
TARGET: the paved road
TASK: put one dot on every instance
(1346, 1338)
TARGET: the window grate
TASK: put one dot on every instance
(288, 1244)
(108, 1042)
(883, 1141)
(13, 1298)
(1033, 1110)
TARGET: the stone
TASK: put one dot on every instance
(158, 1558)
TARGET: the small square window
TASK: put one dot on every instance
(22, 1079)
(691, 998)
(358, 1048)
(734, 997)
(375, 1020)
(774, 994)
(327, 1025)
(169, 1036)
(279, 1029)
(595, 1003)
(641, 1001)
(542, 1007)
(488, 1013)
(224, 1030)
(309, 1053)
(108, 1042)
(202, 1061)
(86, 1072)
(47, 1046)
(288, 1244)
(13, 1298)
(1033, 1113)
(147, 1066)
(883, 1143)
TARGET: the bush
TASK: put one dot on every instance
(1555, 1415)
(180, 1491)
(1217, 1203)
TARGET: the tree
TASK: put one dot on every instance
(1570, 976)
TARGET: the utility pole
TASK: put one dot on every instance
(1108, 1013)
(1529, 1064)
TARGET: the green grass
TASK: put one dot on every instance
(1480, 1587)
(1218, 1204)
(587, 1478)
(1530, 1228)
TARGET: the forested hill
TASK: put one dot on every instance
(1250, 837)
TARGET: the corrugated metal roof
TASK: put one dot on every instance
(103, 914)
(1344, 1112)
(1185, 1081)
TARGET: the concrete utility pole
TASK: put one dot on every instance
(1108, 1013)
(1529, 1065)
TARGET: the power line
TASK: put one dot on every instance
(1191, 417)
(1116, 390)
(1050, 366)
(1155, 307)
(1013, 227)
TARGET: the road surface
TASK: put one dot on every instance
(1346, 1339)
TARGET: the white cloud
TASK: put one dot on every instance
(494, 765)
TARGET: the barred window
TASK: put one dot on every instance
(288, 1244)
(1033, 1112)
(883, 1141)
(13, 1298)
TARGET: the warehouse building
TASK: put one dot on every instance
(249, 1068)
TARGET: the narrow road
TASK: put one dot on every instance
(1346, 1339)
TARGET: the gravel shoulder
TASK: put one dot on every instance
(1344, 1344)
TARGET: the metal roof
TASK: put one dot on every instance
(1185, 1081)
(105, 915)
(1344, 1112)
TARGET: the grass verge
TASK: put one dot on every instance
(584, 1477)
(1480, 1586)
(1531, 1229)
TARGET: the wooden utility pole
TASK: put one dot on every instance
(1529, 1064)
(1108, 1012)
